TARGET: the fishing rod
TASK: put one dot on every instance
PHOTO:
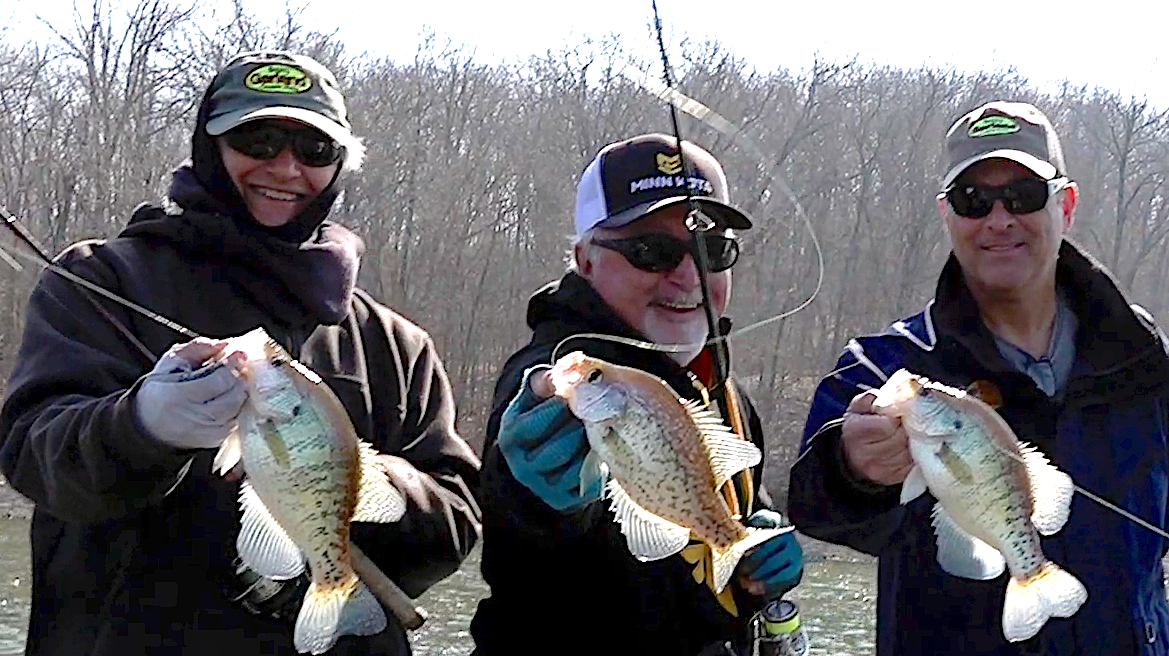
(698, 224)
(708, 116)
(392, 597)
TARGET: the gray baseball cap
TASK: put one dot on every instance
(274, 84)
(1007, 130)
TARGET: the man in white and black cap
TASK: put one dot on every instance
(1083, 376)
(560, 572)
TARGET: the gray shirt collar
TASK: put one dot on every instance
(1050, 372)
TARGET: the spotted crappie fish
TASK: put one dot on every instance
(665, 459)
(308, 477)
(995, 497)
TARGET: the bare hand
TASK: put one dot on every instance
(541, 383)
(876, 447)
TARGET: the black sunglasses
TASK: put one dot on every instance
(658, 253)
(263, 140)
(1022, 196)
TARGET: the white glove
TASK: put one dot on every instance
(188, 407)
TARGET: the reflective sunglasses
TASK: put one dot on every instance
(1022, 196)
(658, 253)
(263, 140)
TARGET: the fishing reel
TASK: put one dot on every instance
(261, 595)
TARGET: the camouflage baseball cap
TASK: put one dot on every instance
(274, 84)
(1007, 130)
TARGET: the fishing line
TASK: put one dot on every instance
(718, 122)
(1094, 497)
(43, 261)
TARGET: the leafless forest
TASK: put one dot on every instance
(466, 198)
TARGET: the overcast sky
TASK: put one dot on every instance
(1117, 45)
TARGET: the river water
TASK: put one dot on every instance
(836, 602)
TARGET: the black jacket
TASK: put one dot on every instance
(1107, 429)
(133, 542)
(565, 582)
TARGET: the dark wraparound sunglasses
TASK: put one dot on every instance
(260, 140)
(1022, 196)
(658, 253)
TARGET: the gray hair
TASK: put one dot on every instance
(354, 153)
(583, 240)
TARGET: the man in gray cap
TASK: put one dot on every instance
(561, 575)
(110, 426)
(1082, 374)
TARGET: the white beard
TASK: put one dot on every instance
(688, 345)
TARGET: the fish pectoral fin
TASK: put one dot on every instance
(378, 500)
(914, 485)
(592, 469)
(1029, 603)
(1051, 492)
(229, 453)
(724, 561)
(649, 537)
(328, 614)
(262, 543)
(962, 554)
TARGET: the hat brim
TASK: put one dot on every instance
(1041, 168)
(724, 215)
(227, 122)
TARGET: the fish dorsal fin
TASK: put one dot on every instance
(262, 544)
(729, 454)
(229, 453)
(962, 554)
(649, 537)
(914, 485)
(1051, 491)
(378, 501)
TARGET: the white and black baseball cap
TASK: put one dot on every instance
(630, 179)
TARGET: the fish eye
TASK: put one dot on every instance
(593, 376)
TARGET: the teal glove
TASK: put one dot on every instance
(545, 447)
(777, 564)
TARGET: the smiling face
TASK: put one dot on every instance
(1006, 255)
(665, 307)
(275, 190)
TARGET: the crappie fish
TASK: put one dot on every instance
(996, 496)
(308, 477)
(665, 459)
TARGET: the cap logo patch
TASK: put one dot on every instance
(993, 126)
(278, 78)
(669, 164)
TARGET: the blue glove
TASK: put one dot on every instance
(545, 447)
(185, 407)
(777, 564)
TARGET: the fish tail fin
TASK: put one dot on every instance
(724, 561)
(1052, 592)
(328, 614)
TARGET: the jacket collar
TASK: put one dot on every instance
(1111, 337)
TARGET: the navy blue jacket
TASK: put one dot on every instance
(1107, 429)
